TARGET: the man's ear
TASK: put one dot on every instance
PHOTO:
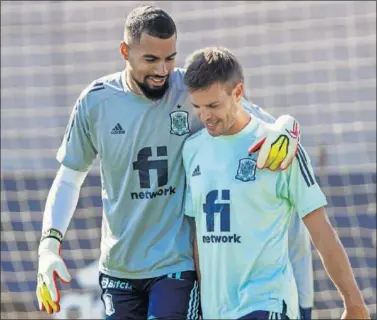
(238, 92)
(124, 50)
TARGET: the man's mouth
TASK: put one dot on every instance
(211, 124)
(157, 81)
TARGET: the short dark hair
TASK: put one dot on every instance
(211, 65)
(149, 19)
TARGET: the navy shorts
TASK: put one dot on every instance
(305, 314)
(265, 315)
(173, 296)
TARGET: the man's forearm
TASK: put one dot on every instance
(336, 263)
(339, 269)
(62, 199)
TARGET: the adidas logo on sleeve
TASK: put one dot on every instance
(196, 172)
(118, 129)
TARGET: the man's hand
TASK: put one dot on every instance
(356, 312)
(50, 265)
(279, 144)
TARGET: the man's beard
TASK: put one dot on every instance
(152, 93)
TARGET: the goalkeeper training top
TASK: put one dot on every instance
(139, 142)
(242, 217)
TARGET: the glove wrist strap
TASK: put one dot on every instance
(52, 233)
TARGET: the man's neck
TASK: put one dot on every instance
(242, 121)
(132, 85)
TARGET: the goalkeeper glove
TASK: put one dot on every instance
(279, 144)
(50, 265)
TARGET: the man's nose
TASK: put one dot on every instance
(162, 69)
(204, 114)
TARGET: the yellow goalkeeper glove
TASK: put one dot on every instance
(50, 266)
(278, 145)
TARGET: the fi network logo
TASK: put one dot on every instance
(218, 207)
(144, 165)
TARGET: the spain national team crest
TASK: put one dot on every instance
(179, 124)
(246, 170)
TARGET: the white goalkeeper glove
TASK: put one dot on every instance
(279, 144)
(50, 266)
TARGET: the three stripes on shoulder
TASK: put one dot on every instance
(303, 164)
(97, 86)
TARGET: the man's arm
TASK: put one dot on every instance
(76, 154)
(60, 206)
(306, 196)
(336, 263)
